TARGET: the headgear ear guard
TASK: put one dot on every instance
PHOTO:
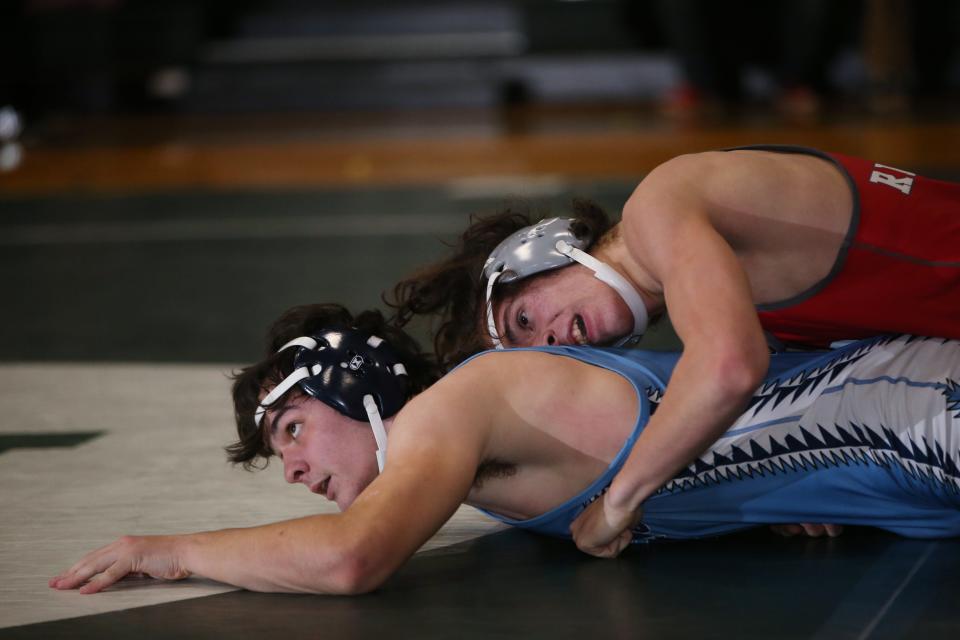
(357, 374)
(551, 244)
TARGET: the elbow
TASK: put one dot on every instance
(356, 573)
(360, 562)
(739, 372)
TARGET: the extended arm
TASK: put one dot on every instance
(433, 455)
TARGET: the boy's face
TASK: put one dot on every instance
(566, 306)
(329, 453)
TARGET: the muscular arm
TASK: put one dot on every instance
(435, 447)
(710, 304)
(426, 478)
(708, 296)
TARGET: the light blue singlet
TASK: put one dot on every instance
(864, 435)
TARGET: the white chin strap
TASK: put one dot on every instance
(491, 323)
(379, 433)
(373, 413)
(603, 272)
(609, 276)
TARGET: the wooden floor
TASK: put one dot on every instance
(426, 148)
(142, 258)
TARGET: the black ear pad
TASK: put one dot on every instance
(348, 365)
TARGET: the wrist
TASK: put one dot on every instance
(624, 499)
(185, 550)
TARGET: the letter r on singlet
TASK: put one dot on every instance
(903, 183)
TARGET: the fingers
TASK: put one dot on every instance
(83, 577)
(603, 532)
(818, 530)
(106, 562)
(616, 547)
(88, 566)
(114, 573)
(74, 578)
(608, 551)
(787, 530)
(809, 529)
(611, 549)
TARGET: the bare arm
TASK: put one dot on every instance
(724, 357)
(724, 352)
(425, 480)
(434, 451)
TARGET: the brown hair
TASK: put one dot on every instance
(303, 320)
(452, 290)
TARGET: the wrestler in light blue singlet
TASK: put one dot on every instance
(864, 435)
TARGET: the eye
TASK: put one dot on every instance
(293, 429)
(522, 319)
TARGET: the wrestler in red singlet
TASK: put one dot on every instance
(898, 270)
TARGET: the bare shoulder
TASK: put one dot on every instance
(459, 408)
(698, 181)
(732, 191)
(673, 190)
(706, 164)
(538, 388)
(689, 168)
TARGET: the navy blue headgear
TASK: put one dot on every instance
(353, 365)
(358, 374)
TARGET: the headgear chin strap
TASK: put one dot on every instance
(358, 375)
(611, 277)
(551, 244)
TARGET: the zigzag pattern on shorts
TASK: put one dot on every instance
(777, 390)
(952, 392)
(852, 445)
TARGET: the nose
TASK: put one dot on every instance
(548, 338)
(551, 332)
(294, 468)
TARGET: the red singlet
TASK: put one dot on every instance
(898, 270)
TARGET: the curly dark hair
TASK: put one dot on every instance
(249, 382)
(452, 290)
